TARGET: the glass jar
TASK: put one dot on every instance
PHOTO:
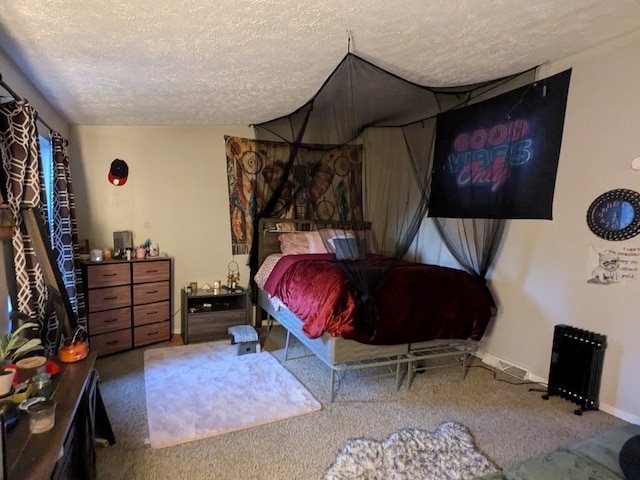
(41, 385)
(42, 416)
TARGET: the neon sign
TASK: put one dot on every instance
(484, 157)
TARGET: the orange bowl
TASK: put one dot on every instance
(73, 353)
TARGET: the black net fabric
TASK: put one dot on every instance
(394, 120)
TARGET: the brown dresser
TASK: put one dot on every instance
(128, 303)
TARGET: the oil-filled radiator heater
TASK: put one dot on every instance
(577, 357)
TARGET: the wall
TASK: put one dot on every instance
(176, 195)
(541, 270)
(23, 87)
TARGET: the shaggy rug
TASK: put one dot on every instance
(206, 389)
(410, 454)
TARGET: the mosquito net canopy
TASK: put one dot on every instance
(392, 123)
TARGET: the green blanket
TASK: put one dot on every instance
(596, 458)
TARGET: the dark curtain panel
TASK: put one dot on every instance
(22, 166)
(25, 187)
(473, 242)
(65, 229)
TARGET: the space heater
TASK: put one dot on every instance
(577, 357)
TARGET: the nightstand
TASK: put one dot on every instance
(207, 316)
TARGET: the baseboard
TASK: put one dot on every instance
(621, 414)
(510, 368)
(502, 365)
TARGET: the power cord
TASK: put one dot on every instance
(495, 377)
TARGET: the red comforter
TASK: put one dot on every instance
(418, 302)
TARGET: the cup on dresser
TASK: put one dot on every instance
(42, 416)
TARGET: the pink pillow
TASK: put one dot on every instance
(316, 245)
(294, 243)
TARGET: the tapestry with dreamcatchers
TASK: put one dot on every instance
(323, 184)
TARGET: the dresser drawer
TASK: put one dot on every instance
(151, 292)
(113, 342)
(109, 298)
(151, 271)
(108, 274)
(109, 320)
(146, 334)
(151, 313)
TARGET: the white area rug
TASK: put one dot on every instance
(206, 389)
(449, 453)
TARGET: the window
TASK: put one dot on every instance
(47, 169)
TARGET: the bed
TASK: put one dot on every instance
(432, 334)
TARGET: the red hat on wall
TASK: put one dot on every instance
(118, 173)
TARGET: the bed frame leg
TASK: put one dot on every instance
(465, 365)
(286, 347)
(333, 385)
(398, 376)
(410, 374)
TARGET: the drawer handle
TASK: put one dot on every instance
(109, 274)
(113, 297)
(150, 334)
(152, 271)
(111, 320)
(152, 313)
(112, 342)
(152, 291)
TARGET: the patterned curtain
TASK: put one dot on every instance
(65, 231)
(21, 162)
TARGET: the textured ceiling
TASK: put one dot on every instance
(232, 62)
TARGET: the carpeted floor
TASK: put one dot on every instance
(509, 423)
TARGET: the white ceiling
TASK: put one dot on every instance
(233, 62)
